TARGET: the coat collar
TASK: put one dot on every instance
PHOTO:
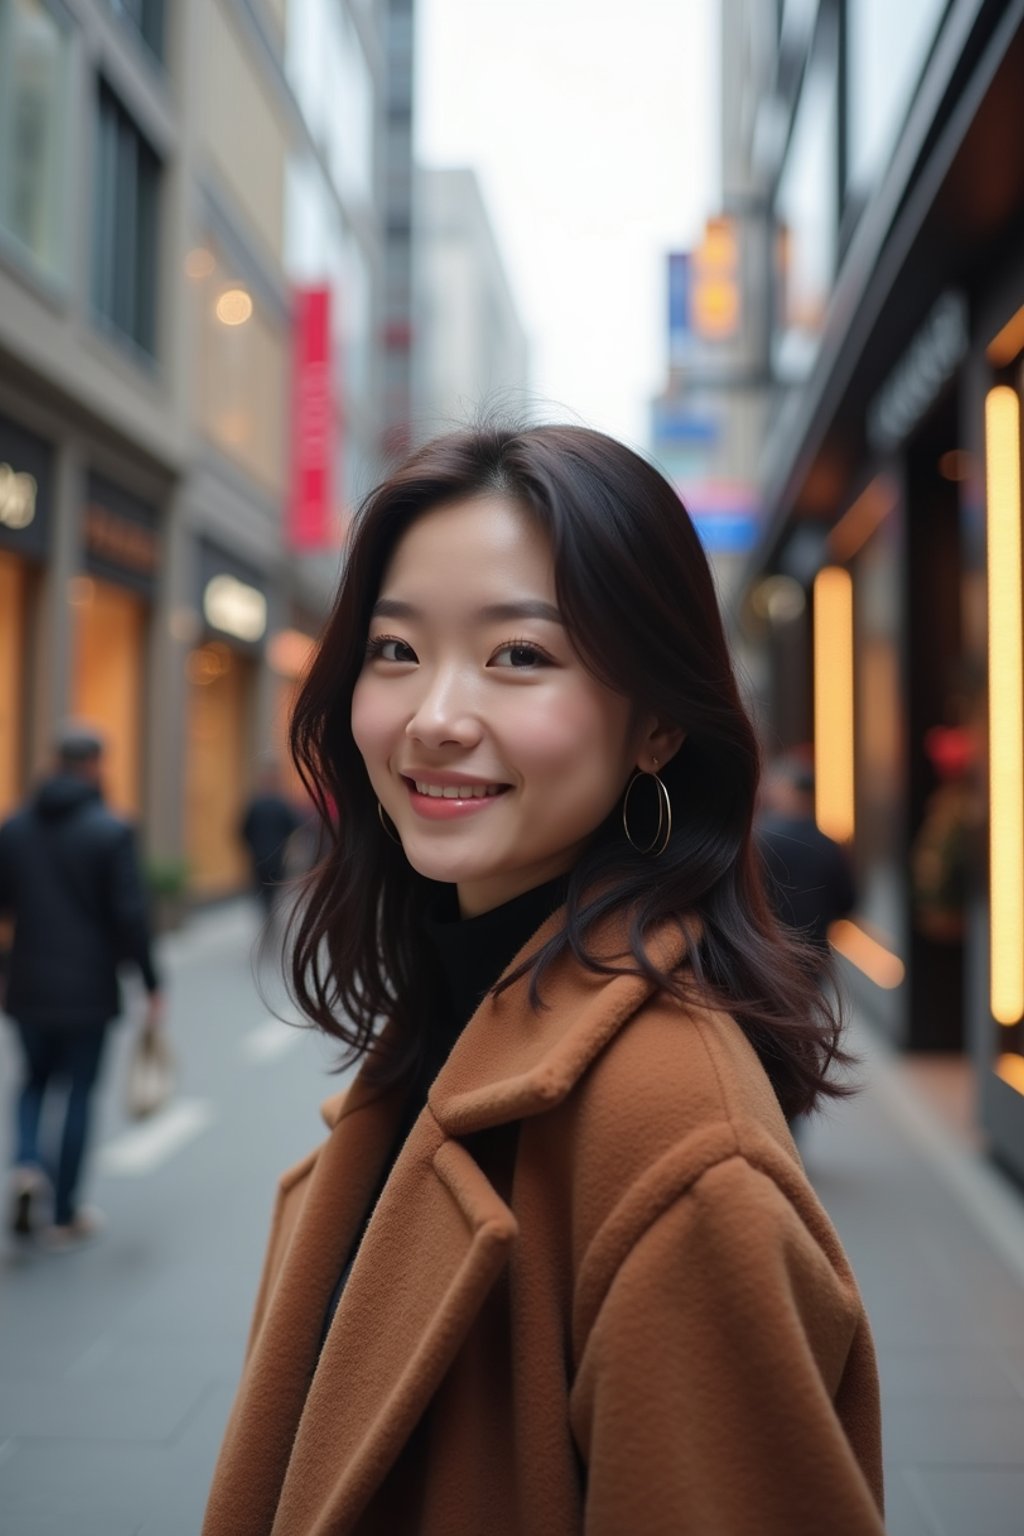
(388, 1350)
(512, 1061)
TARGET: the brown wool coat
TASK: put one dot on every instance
(597, 1295)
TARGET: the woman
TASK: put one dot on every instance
(556, 1267)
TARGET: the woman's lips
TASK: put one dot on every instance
(448, 801)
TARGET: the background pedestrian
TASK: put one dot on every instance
(268, 825)
(70, 880)
(810, 881)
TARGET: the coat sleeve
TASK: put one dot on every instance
(728, 1382)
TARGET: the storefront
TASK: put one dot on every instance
(994, 640)
(111, 599)
(26, 515)
(222, 675)
(893, 504)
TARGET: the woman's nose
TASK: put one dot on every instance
(445, 713)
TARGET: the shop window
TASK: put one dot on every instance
(34, 65)
(147, 17)
(125, 230)
(108, 687)
(13, 602)
(218, 723)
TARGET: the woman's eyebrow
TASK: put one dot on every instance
(493, 613)
(528, 608)
(391, 608)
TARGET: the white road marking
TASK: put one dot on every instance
(146, 1146)
(270, 1040)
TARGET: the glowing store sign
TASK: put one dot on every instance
(17, 498)
(237, 609)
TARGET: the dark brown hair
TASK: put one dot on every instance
(638, 600)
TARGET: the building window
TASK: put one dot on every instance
(887, 47)
(242, 368)
(125, 234)
(34, 68)
(147, 17)
(807, 222)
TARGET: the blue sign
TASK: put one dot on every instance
(674, 422)
(723, 533)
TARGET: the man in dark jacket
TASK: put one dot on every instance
(268, 825)
(69, 877)
(810, 881)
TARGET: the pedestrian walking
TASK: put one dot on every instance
(268, 825)
(557, 1267)
(809, 877)
(69, 878)
(810, 881)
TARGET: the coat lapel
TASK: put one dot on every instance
(438, 1240)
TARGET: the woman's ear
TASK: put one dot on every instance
(659, 745)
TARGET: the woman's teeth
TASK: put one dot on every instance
(458, 791)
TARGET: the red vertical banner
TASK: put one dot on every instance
(310, 507)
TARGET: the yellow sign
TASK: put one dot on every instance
(17, 498)
(715, 295)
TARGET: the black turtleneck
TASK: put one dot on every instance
(470, 954)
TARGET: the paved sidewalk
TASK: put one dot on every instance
(936, 1237)
(118, 1364)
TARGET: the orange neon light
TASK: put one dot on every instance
(833, 703)
(1005, 705)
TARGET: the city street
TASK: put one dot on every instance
(117, 1363)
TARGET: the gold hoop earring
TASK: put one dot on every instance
(659, 842)
(388, 828)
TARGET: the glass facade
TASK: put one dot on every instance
(35, 51)
(124, 275)
(807, 222)
(330, 75)
(886, 49)
(147, 17)
(241, 369)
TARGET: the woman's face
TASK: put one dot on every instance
(490, 746)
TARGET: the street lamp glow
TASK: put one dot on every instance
(234, 307)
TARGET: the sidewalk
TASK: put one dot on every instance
(936, 1237)
(118, 1364)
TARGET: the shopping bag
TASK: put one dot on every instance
(151, 1074)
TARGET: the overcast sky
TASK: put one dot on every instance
(594, 127)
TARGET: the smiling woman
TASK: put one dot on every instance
(495, 758)
(557, 1267)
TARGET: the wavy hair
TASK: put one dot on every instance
(639, 603)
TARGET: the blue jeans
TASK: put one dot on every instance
(72, 1056)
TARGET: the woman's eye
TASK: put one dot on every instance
(388, 648)
(519, 654)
